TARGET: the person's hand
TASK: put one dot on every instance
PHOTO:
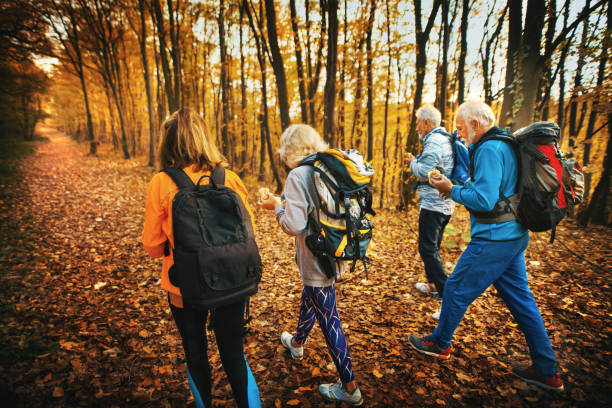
(409, 158)
(441, 183)
(269, 201)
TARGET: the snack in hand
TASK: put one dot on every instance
(435, 173)
(263, 193)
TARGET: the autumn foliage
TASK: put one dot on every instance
(84, 322)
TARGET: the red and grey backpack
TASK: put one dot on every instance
(548, 182)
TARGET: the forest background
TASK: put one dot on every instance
(109, 72)
(82, 321)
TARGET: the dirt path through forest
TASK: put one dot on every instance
(84, 322)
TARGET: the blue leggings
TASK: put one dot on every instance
(502, 264)
(321, 303)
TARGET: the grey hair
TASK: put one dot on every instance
(299, 141)
(429, 112)
(478, 111)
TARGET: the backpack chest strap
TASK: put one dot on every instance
(504, 211)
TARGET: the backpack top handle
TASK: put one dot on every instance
(217, 177)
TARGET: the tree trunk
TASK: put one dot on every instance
(387, 92)
(422, 36)
(463, 50)
(573, 114)
(225, 94)
(173, 103)
(488, 54)
(561, 99)
(145, 64)
(515, 27)
(342, 100)
(369, 58)
(300, 64)
(265, 127)
(355, 128)
(586, 157)
(531, 64)
(549, 78)
(243, 104)
(90, 135)
(277, 65)
(330, 83)
(442, 80)
(597, 210)
(174, 31)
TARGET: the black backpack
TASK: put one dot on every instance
(547, 184)
(216, 260)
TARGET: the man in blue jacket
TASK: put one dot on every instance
(435, 211)
(496, 252)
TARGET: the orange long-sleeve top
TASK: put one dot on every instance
(158, 218)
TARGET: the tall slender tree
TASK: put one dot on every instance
(369, 58)
(300, 64)
(329, 97)
(463, 50)
(145, 64)
(422, 37)
(277, 65)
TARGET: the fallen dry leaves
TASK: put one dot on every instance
(84, 322)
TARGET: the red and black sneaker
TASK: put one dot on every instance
(530, 375)
(424, 345)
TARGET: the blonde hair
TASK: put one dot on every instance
(299, 141)
(478, 111)
(430, 113)
(185, 141)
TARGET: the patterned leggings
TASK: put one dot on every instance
(321, 303)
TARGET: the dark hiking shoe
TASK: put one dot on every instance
(530, 375)
(424, 345)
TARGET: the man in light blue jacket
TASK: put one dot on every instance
(496, 253)
(435, 211)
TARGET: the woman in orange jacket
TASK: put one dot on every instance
(186, 144)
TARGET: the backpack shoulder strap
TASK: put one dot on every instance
(218, 175)
(445, 133)
(180, 178)
(501, 136)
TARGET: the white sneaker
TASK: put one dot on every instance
(297, 353)
(423, 287)
(436, 315)
(428, 289)
(337, 392)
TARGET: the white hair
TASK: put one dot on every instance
(430, 113)
(478, 111)
(299, 141)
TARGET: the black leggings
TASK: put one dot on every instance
(227, 323)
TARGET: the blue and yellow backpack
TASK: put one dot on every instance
(342, 230)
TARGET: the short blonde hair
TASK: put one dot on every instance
(430, 113)
(185, 141)
(478, 111)
(299, 141)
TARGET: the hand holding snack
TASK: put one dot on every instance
(267, 200)
(441, 183)
(409, 158)
(434, 174)
(263, 193)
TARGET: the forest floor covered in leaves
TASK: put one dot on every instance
(84, 322)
